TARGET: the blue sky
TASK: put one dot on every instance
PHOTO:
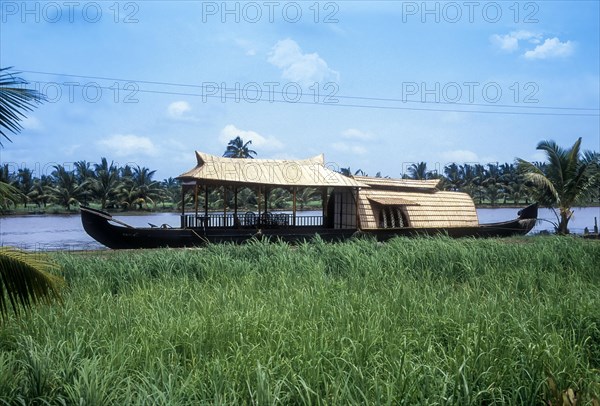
(374, 85)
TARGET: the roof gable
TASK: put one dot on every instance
(309, 172)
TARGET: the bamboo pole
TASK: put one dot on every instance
(356, 201)
(183, 224)
(294, 206)
(224, 206)
(235, 205)
(205, 205)
(266, 199)
(196, 204)
(258, 201)
(324, 197)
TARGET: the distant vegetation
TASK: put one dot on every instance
(413, 321)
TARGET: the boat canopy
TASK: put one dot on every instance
(310, 172)
(412, 203)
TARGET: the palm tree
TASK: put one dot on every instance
(418, 171)
(138, 187)
(40, 193)
(453, 176)
(305, 196)
(105, 182)
(67, 190)
(238, 149)
(171, 189)
(566, 179)
(24, 279)
(84, 174)
(25, 183)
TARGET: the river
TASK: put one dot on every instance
(65, 232)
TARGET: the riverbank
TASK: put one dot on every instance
(65, 232)
(412, 321)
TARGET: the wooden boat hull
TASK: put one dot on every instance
(99, 225)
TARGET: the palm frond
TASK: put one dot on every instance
(15, 99)
(573, 156)
(9, 193)
(557, 162)
(25, 280)
(535, 175)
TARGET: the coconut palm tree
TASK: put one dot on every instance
(25, 183)
(171, 189)
(24, 279)
(84, 174)
(67, 190)
(565, 180)
(453, 176)
(238, 149)
(40, 193)
(418, 171)
(305, 196)
(138, 188)
(105, 182)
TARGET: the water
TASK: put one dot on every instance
(65, 232)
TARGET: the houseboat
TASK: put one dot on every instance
(349, 206)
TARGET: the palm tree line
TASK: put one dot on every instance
(105, 184)
(508, 183)
(125, 188)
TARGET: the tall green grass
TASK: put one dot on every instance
(411, 321)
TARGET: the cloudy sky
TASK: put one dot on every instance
(373, 85)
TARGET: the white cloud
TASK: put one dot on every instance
(297, 66)
(349, 148)
(31, 123)
(177, 110)
(510, 41)
(459, 156)
(354, 139)
(354, 134)
(551, 48)
(70, 150)
(128, 145)
(246, 45)
(230, 131)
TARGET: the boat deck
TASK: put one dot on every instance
(250, 220)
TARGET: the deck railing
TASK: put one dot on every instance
(250, 220)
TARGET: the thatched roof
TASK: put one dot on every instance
(310, 172)
(424, 209)
(387, 183)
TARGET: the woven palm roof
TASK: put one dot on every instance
(277, 172)
(428, 184)
(424, 209)
(392, 201)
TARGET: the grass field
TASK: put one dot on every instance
(412, 321)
